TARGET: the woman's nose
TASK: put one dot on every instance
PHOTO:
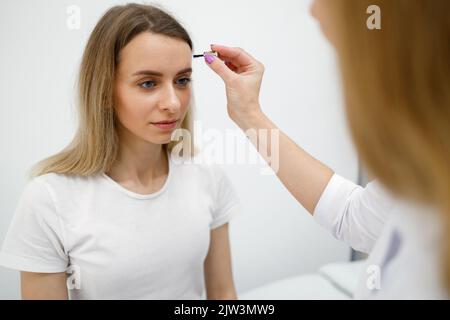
(169, 100)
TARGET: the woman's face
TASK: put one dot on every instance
(152, 88)
(320, 10)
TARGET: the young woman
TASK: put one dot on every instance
(396, 83)
(113, 210)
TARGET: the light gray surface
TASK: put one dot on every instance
(335, 281)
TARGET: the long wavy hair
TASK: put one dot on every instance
(397, 90)
(95, 145)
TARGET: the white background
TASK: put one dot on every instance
(274, 237)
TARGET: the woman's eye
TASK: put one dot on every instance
(183, 81)
(147, 84)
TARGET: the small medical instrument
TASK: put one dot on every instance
(202, 55)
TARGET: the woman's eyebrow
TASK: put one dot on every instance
(158, 74)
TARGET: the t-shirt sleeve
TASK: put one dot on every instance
(226, 204)
(34, 241)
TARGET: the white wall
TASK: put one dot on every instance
(275, 237)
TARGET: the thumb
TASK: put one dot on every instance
(218, 67)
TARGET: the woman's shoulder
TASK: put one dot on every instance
(39, 192)
(56, 183)
(61, 179)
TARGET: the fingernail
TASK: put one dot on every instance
(209, 58)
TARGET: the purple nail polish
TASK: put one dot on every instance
(209, 58)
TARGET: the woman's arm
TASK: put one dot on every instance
(304, 176)
(351, 213)
(43, 286)
(218, 272)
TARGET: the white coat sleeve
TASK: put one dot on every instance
(354, 214)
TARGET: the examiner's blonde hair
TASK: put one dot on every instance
(94, 148)
(397, 89)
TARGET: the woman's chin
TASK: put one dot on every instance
(160, 139)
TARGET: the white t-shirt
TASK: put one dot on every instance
(117, 244)
(404, 240)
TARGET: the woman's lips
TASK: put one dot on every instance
(166, 125)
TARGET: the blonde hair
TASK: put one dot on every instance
(397, 89)
(95, 145)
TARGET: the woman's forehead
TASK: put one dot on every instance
(149, 51)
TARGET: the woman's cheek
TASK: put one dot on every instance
(186, 102)
(141, 105)
(135, 109)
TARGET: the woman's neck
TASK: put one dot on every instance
(139, 162)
